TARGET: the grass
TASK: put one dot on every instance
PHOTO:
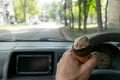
(90, 29)
(4, 27)
(88, 26)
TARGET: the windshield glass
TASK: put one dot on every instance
(57, 19)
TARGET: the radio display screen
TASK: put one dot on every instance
(33, 64)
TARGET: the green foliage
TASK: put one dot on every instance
(52, 10)
(60, 11)
(25, 6)
(91, 8)
(32, 8)
(18, 10)
(75, 11)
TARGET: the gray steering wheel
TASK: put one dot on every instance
(104, 74)
(105, 37)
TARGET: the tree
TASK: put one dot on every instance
(75, 11)
(72, 18)
(18, 11)
(71, 15)
(85, 15)
(91, 9)
(99, 15)
(24, 7)
(60, 11)
(106, 14)
(32, 7)
(79, 15)
(88, 8)
(65, 16)
(53, 10)
(82, 9)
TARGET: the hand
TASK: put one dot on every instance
(69, 68)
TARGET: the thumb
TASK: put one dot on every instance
(92, 62)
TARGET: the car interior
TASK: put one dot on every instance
(38, 60)
(33, 40)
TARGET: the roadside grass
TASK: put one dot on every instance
(4, 27)
(74, 33)
(91, 28)
(88, 26)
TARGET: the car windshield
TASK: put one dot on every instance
(56, 20)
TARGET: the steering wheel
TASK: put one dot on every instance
(105, 37)
(104, 74)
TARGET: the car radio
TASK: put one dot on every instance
(30, 64)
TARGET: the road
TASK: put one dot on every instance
(33, 32)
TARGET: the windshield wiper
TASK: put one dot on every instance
(6, 40)
(49, 39)
(53, 39)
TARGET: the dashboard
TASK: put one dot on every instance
(30, 60)
(38, 60)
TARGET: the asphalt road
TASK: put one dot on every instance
(33, 32)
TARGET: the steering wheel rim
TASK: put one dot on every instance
(97, 39)
(104, 37)
(107, 75)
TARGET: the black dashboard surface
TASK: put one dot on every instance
(9, 50)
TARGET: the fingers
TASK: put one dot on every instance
(91, 63)
(69, 64)
(66, 54)
(69, 58)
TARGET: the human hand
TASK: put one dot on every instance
(69, 68)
